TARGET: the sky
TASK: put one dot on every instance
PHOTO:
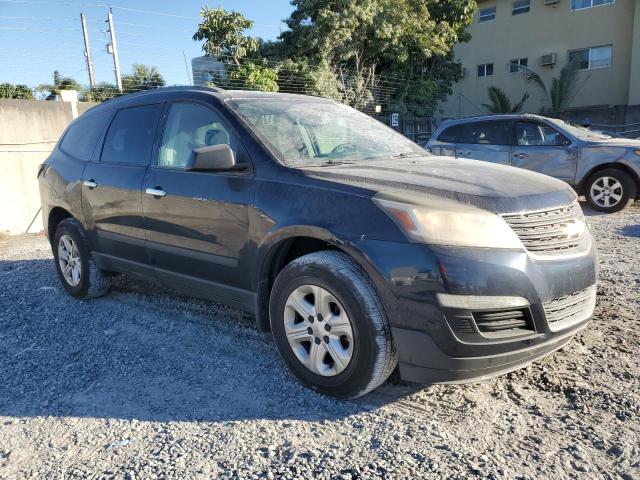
(40, 36)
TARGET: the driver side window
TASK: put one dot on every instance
(190, 126)
(538, 134)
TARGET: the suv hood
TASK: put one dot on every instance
(498, 188)
(615, 142)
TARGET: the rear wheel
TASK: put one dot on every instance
(330, 327)
(610, 190)
(78, 273)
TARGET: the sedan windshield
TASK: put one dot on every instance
(313, 132)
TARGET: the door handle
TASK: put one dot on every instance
(156, 192)
(520, 155)
(90, 184)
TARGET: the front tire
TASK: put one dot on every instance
(610, 190)
(77, 270)
(329, 325)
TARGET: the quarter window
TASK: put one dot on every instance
(485, 70)
(451, 134)
(190, 126)
(538, 134)
(487, 133)
(82, 136)
(517, 64)
(591, 58)
(487, 14)
(521, 6)
(581, 4)
(130, 136)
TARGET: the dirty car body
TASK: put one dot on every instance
(480, 268)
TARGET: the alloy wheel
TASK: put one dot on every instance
(318, 330)
(606, 192)
(69, 260)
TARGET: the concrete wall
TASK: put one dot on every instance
(546, 29)
(634, 78)
(29, 129)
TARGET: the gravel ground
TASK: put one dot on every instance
(144, 383)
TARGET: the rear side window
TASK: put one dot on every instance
(451, 134)
(487, 133)
(130, 136)
(82, 136)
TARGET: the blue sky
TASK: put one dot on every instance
(40, 36)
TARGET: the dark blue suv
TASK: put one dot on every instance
(358, 250)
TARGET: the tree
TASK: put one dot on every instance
(142, 77)
(101, 92)
(59, 83)
(254, 77)
(300, 76)
(364, 40)
(500, 103)
(223, 35)
(8, 90)
(564, 88)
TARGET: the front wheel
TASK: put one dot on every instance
(610, 190)
(329, 325)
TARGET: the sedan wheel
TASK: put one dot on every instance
(607, 192)
(69, 260)
(610, 190)
(318, 330)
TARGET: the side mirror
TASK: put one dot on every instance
(214, 158)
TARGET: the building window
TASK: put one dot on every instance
(590, 58)
(580, 4)
(520, 6)
(516, 64)
(485, 70)
(487, 14)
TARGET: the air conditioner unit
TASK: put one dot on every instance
(551, 2)
(548, 59)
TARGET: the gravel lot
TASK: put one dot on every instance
(144, 383)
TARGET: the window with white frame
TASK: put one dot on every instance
(485, 70)
(580, 4)
(591, 58)
(517, 64)
(520, 7)
(487, 14)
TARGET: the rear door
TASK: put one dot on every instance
(489, 140)
(197, 225)
(542, 148)
(112, 186)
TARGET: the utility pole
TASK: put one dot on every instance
(114, 51)
(87, 51)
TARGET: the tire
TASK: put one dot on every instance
(610, 190)
(91, 281)
(365, 358)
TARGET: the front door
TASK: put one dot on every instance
(197, 226)
(542, 148)
(489, 140)
(112, 186)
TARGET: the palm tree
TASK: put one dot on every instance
(564, 88)
(59, 83)
(142, 77)
(500, 103)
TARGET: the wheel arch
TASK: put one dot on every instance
(56, 215)
(603, 166)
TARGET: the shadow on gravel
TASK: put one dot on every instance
(631, 231)
(144, 353)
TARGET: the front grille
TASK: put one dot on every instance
(547, 231)
(565, 311)
(501, 321)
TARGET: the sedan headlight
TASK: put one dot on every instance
(449, 223)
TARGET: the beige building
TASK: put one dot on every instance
(543, 35)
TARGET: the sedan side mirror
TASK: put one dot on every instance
(214, 158)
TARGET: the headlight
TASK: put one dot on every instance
(449, 223)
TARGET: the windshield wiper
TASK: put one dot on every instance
(407, 155)
(331, 163)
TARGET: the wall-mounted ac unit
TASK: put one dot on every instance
(551, 2)
(548, 59)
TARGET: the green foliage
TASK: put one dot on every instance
(300, 76)
(101, 92)
(564, 88)
(254, 77)
(59, 83)
(499, 101)
(142, 77)
(8, 90)
(223, 35)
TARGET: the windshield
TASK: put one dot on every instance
(319, 132)
(581, 133)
